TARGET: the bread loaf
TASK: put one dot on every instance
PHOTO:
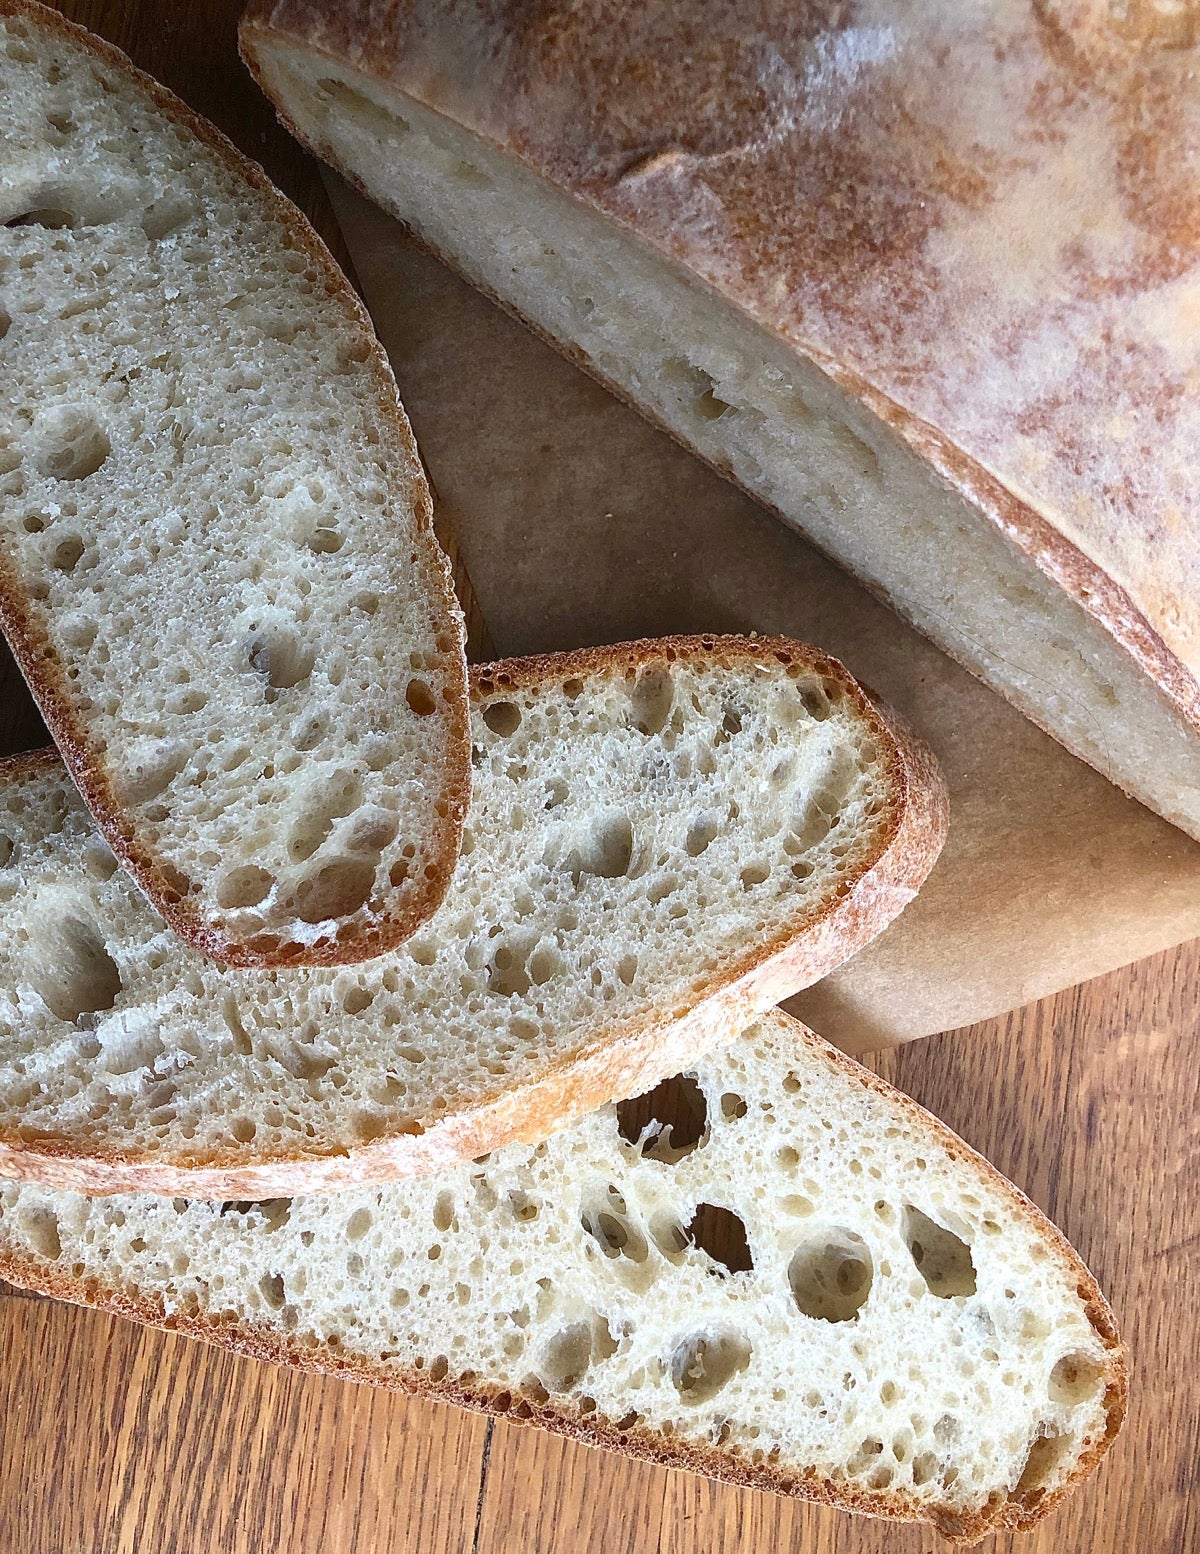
(949, 331)
(217, 565)
(778, 1271)
(665, 839)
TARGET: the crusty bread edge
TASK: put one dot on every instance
(228, 1330)
(1085, 583)
(625, 1059)
(45, 676)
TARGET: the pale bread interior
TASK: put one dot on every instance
(640, 832)
(741, 397)
(212, 517)
(774, 1261)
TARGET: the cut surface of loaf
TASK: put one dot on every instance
(217, 563)
(776, 1270)
(665, 839)
(865, 299)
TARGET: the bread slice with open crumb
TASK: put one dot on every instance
(665, 839)
(778, 1271)
(217, 563)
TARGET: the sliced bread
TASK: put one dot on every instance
(778, 1271)
(217, 564)
(666, 838)
(949, 334)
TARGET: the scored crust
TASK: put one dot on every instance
(262, 1342)
(46, 677)
(621, 1059)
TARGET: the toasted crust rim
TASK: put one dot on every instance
(262, 1343)
(617, 1062)
(43, 671)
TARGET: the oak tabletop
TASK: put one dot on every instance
(120, 1440)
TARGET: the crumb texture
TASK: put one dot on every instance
(647, 823)
(215, 559)
(773, 1264)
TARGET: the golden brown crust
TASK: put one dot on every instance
(621, 1060)
(848, 206)
(228, 1331)
(50, 687)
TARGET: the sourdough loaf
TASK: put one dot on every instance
(665, 839)
(217, 564)
(951, 334)
(778, 1271)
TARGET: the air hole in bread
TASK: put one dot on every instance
(651, 699)
(70, 968)
(340, 795)
(70, 442)
(327, 541)
(604, 851)
(816, 703)
(519, 964)
(155, 771)
(667, 1122)
(273, 1212)
(503, 718)
(337, 889)
(701, 834)
(281, 658)
(571, 1352)
(722, 1235)
(420, 698)
(1046, 1452)
(39, 1226)
(572, 689)
(165, 216)
(943, 1259)
(696, 388)
(732, 1106)
(5, 322)
(185, 703)
(358, 1224)
(755, 874)
(706, 1362)
(272, 1290)
(6, 850)
(865, 1458)
(53, 218)
(831, 1275)
(1075, 1379)
(924, 1468)
(60, 119)
(244, 887)
(607, 1221)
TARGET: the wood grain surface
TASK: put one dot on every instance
(117, 1440)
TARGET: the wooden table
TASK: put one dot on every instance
(115, 1440)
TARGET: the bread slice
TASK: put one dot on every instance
(217, 563)
(665, 839)
(950, 335)
(777, 1270)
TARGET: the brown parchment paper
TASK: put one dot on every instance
(579, 523)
